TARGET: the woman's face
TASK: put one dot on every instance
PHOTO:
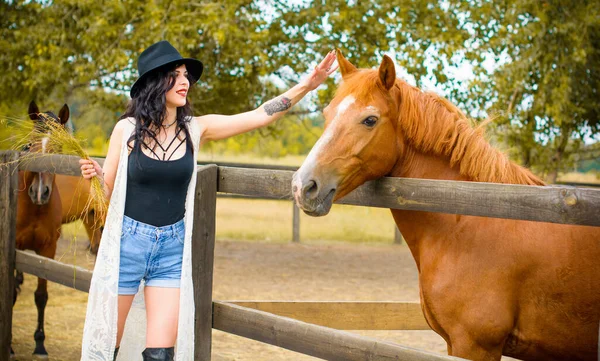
(177, 95)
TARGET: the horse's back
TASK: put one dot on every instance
(74, 195)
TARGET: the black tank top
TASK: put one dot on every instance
(156, 189)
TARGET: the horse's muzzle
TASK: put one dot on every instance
(39, 195)
(312, 198)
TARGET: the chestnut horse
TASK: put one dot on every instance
(75, 195)
(488, 286)
(39, 216)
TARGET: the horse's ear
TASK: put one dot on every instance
(346, 67)
(63, 114)
(387, 72)
(33, 111)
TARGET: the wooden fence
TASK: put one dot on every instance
(248, 318)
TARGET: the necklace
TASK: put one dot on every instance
(169, 125)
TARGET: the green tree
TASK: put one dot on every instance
(545, 90)
(56, 48)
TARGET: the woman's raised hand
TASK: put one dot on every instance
(89, 168)
(321, 71)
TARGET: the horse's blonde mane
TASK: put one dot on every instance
(433, 125)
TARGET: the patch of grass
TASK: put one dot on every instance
(271, 221)
(288, 160)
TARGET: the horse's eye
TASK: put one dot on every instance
(370, 121)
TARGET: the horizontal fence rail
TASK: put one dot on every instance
(555, 204)
(54, 271)
(69, 165)
(53, 163)
(309, 339)
(347, 315)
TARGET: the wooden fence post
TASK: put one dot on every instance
(295, 223)
(8, 219)
(203, 248)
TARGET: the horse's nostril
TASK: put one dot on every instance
(46, 191)
(31, 191)
(294, 189)
(310, 190)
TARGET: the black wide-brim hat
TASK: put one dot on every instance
(159, 55)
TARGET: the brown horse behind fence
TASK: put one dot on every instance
(488, 286)
(39, 216)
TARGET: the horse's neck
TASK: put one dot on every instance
(423, 230)
(415, 164)
(436, 141)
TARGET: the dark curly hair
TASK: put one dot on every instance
(148, 107)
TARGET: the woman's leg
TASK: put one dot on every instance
(124, 306)
(162, 313)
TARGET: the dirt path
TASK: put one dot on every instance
(248, 271)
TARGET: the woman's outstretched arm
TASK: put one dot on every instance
(215, 126)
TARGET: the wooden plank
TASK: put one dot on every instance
(251, 165)
(69, 165)
(67, 275)
(8, 220)
(203, 248)
(347, 315)
(53, 163)
(555, 204)
(308, 339)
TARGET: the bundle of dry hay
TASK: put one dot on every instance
(60, 141)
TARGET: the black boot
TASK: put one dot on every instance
(116, 353)
(159, 354)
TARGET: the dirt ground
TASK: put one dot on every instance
(247, 271)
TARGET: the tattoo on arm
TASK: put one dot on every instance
(278, 105)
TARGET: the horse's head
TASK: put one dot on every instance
(40, 183)
(359, 142)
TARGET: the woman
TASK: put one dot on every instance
(149, 178)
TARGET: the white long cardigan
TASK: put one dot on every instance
(100, 330)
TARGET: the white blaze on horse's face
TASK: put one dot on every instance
(45, 144)
(40, 175)
(41, 185)
(310, 162)
(327, 136)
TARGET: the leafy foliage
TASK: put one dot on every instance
(535, 63)
(546, 89)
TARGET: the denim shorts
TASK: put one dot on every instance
(149, 253)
